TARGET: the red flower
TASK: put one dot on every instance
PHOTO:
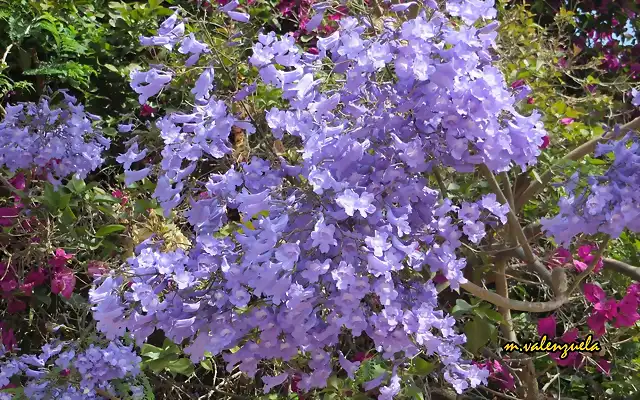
(8, 338)
(530, 100)
(517, 84)
(15, 306)
(604, 366)
(8, 215)
(37, 277)
(19, 181)
(119, 194)
(63, 282)
(545, 142)
(146, 110)
(363, 356)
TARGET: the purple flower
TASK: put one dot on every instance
(149, 83)
(350, 202)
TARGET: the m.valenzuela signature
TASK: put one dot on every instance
(587, 345)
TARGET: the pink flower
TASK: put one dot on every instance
(37, 277)
(8, 278)
(570, 336)
(8, 215)
(572, 360)
(596, 322)
(363, 356)
(604, 366)
(96, 268)
(580, 266)
(584, 251)
(19, 181)
(8, 338)
(499, 374)
(439, 278)
(517, 84)
(547, 326)
(566, 121)
(545, 142)
(634, 289)
(119, 194)
(60, 259)
(14, 305)
(627, 312)
(63, 282)
(608, 308)
(594, 293)
(530, 100)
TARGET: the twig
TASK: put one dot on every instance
(513, 219)
(504, 396)
(546, 386)
(443, 188)
(12, 189)
(507, 189)
(105, 394)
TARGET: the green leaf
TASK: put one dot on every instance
(109, 229)
(150, 351)
(63, 201)
(421, 367)
(461, 307)
(77, 186)
(488, 313)
(157, 365)
(206, 364)
(478, 332)
(105, 198)
(182, 366)
(112, 68)
(414, 392)
(334, 383)
(68, 217)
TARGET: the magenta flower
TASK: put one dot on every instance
(566, 121)
(627, 312)
(60, 259)
(547, 326)
(63, 282)
(545, 142)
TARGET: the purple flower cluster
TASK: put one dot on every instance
(347, 240)
(63, 371)
(61, 140)
(609, 203)
(187, 137)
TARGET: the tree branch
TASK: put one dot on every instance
(512, 218)
(622, 268)
(535, 307)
